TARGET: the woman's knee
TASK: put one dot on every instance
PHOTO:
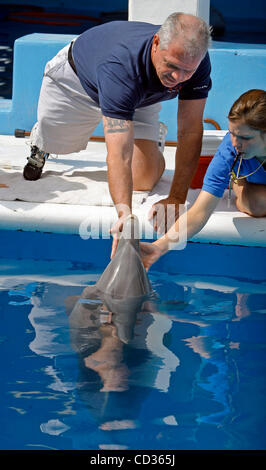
(258, 207)
(251, 199)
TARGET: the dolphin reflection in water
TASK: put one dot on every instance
(103, 317)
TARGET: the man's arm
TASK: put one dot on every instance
(189, 142)
(119, 137)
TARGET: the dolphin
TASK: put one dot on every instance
(122, 288)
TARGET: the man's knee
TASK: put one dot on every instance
(155, 174)
(148, 165)
(161, 164)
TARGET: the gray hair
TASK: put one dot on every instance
(193, 30)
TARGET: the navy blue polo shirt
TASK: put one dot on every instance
(113, 63)
(217, 176)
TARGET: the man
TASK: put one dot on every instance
(120, 72)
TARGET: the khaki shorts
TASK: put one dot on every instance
(67, 116)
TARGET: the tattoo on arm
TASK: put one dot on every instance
(113, 125)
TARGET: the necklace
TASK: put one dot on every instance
(234, 178)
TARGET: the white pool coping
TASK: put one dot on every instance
(226, 226)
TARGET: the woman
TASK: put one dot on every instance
(240, 161)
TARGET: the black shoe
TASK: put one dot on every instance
(33, 169)
(31, 172)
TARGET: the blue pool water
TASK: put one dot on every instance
(192, 378)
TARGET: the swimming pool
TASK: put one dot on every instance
(192, 378)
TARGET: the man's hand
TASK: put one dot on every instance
(163, 214)
(116, 230)
(149, 254)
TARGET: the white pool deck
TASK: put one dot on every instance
(72, 197)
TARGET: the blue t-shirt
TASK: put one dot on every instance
(113, 63)
(217, 176)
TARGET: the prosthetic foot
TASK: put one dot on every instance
(36, 160)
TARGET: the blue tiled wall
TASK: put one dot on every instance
(235, 69)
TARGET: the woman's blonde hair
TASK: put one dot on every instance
(250, 106)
